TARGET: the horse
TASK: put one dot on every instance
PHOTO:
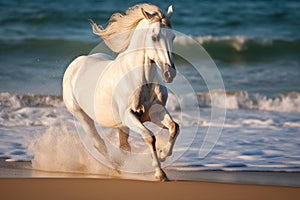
(125, 92)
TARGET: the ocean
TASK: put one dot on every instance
(254, 44)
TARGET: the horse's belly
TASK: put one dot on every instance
(105, 116)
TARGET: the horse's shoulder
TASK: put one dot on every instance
(77, 60)
(100, 57)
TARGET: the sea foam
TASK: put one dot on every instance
(287, 103)
(249, 140)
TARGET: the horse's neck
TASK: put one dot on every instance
(135, 55)
(138, 62)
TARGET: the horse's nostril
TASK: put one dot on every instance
(167, 74)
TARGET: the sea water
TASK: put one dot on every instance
(254, 44)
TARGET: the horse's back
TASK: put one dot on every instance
(88, 71)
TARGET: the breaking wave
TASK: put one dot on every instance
(8, 100)
(236, 48)
(287, 103)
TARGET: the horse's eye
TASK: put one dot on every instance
(155, 38)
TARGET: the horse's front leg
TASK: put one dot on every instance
(123, 139)
(132, 121)
(160, 116)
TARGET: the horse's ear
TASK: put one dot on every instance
(147, 15)
(170, 11)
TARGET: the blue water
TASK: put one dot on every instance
(39, 39)
(255, 45)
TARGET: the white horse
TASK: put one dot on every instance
(128, 91)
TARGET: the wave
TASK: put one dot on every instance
(289, 103)
(14, 101)
(286, 103)
(35, 127)
(31, 110)
(246, 49)
(227, 49)
(46, 110)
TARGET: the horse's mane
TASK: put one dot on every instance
(118, 33)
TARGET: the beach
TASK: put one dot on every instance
(73, 188)
(236, 98)
(19, 180)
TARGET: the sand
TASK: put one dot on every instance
(19, 181)
(91, 188)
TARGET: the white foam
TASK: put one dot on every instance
(238, 42)
(292, 124)
(249, 140)
(247, 158)
(8, 100)
(214, 165)
(258, 122)
(283, 103)
(289, 103)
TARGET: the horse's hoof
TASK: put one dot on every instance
(116, 167)
(160, 175)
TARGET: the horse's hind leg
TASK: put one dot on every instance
(160, 116)
(90, 129)
(123, 139)
(74, 108)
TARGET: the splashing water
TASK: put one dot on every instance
(60, 149)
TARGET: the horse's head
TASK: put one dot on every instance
(159, 42)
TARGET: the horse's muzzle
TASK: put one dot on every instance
(169, 74)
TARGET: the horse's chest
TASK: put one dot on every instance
(147, 95)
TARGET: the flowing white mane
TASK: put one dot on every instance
(118, 33)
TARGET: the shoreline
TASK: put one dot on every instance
(23, 170)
